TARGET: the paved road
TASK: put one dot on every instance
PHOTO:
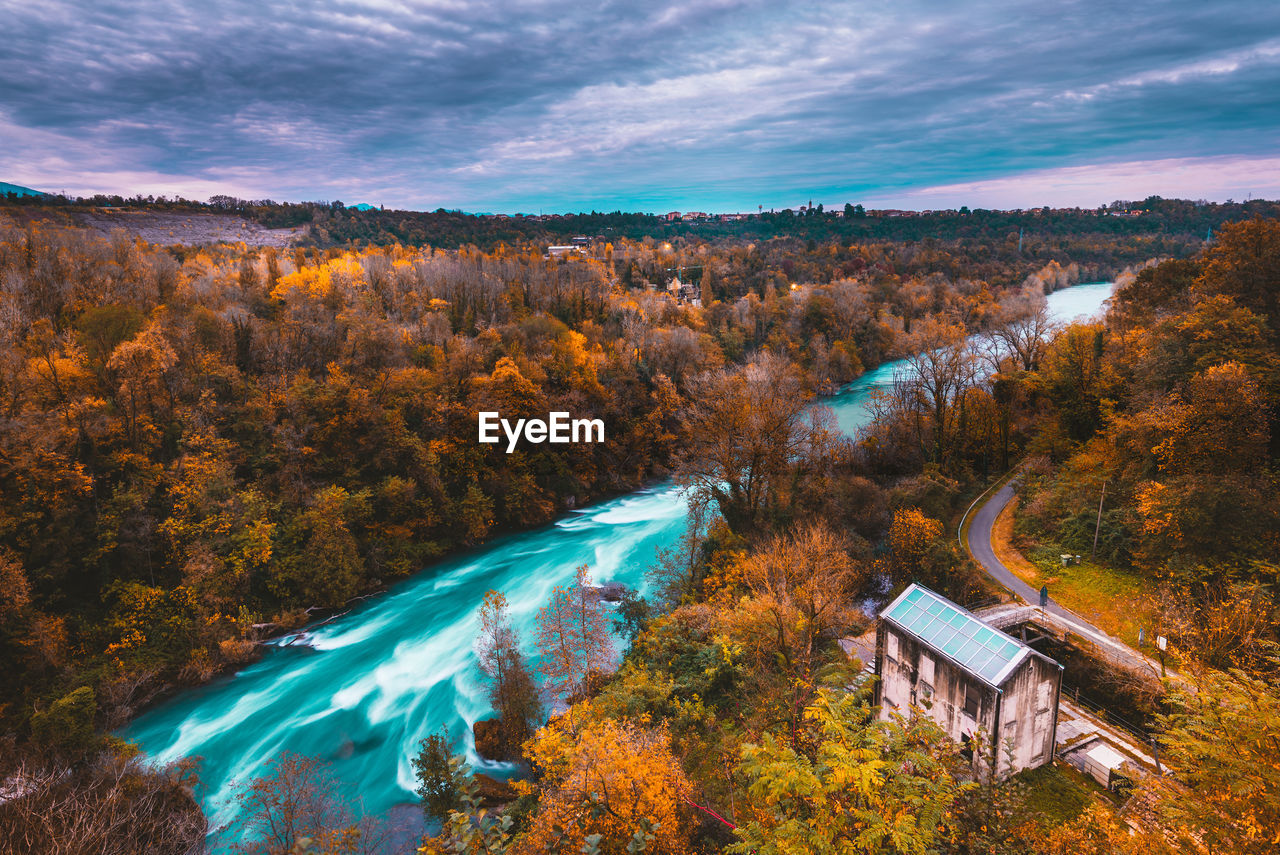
(978, 543)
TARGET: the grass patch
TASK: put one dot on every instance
(1110, 598)
(1055, 794)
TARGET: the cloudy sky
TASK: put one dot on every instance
(700, 104)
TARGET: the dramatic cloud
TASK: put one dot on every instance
(713, 105)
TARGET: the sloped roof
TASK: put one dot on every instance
(964, 639)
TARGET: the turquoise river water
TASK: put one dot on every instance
(362, 690)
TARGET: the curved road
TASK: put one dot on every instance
(978, 543)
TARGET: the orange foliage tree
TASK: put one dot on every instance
(615, 780)
(801, 587)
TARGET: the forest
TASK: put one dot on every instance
(203, 447)
(1170, 226)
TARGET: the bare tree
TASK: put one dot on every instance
(679, 568)
(113, 806)
(512, 690)
(750, 433)
(927, 401)
(678, 351)
(300, 803)
(573, 637)
(1021, 331)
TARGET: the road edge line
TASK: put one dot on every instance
(961, 539)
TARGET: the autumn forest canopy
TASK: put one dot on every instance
(202, 447)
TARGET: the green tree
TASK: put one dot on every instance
(441, 777)
(1073, 375)
(325, 567)
(66, 727)
(471, 830)
(1223, 737)
(866, 785)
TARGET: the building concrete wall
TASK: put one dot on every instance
(1029, 714)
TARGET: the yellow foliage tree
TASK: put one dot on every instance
(606, 778)
(320, 282)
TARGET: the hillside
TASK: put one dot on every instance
(185, 228)
(17, 189)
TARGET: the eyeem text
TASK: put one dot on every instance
(557, 428)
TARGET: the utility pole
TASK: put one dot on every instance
(1094, 554)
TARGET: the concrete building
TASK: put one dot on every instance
(991, 693)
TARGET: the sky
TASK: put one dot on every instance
(710, 105)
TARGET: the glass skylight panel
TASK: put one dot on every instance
(975, 653)
(944, 637)
(980, 663)
(962, 637)
(953, 646)
(968, 650)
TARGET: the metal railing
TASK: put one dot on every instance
(1139, 732)
(985, 602)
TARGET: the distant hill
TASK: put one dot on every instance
(6, 189)
(364, 206)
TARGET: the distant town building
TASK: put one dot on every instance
(674, 215)
(558, 251)
(684, 292)
(991, 693)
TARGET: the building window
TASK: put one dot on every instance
(926, 668)
(891, 645)
(972, 701)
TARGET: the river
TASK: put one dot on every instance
(362, 690)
